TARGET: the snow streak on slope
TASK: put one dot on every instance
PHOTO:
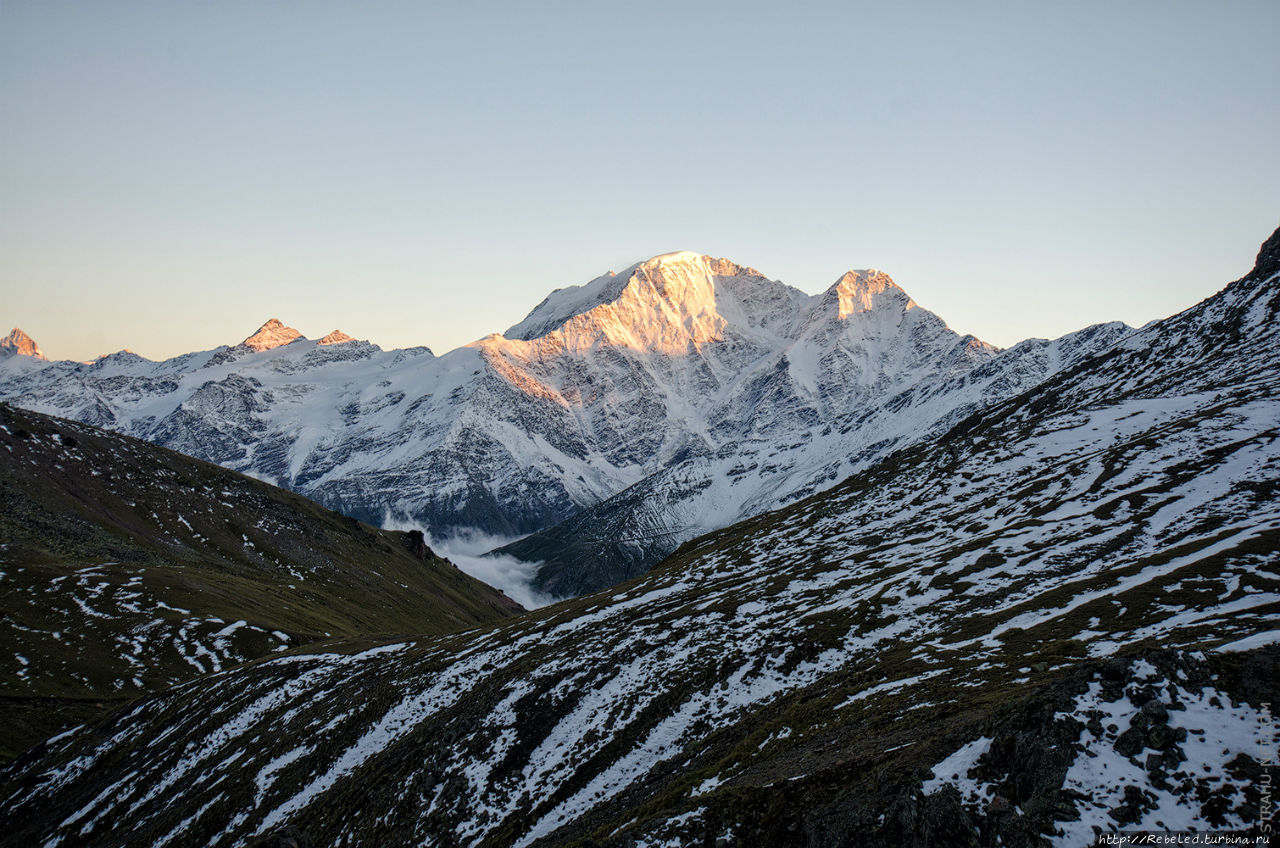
(692, 391)
(1131, 498)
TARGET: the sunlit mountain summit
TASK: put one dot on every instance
(646, 406)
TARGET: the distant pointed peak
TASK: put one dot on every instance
(271, 335)
(336, 337)
(859, 290)
(18, 342)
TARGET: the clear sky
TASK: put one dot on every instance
(173, 174)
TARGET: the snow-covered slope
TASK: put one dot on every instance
(1004, 632)
(764, 461)
(676, 397)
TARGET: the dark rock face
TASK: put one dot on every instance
(416, 544)
(1268, 261)
(285, 837)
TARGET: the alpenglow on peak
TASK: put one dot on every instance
(859, 291)
(676, 300)
(336, 337)
(18, 342)
(271, 335)
(669, 288)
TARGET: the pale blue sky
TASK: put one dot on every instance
(173, 174)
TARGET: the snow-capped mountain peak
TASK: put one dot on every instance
(336, 337)
(563, 305)
(670, 303)
(18, 342)
(271, 335)
(663, 304)
(675, 257)
(863, 291)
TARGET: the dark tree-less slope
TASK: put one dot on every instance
(1055, 619)
(127, 568)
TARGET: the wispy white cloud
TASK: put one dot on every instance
(469, 551)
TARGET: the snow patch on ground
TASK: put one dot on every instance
(1250, 642)
(954, 770)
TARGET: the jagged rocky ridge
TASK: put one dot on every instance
(676, 397)
(127, 568)
(1054, 618)
(18, 343)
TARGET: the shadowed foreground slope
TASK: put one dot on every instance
(128, 568)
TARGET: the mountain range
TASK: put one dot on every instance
(617, 420)
(1054, 619)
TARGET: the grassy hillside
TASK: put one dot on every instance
(127, 568)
